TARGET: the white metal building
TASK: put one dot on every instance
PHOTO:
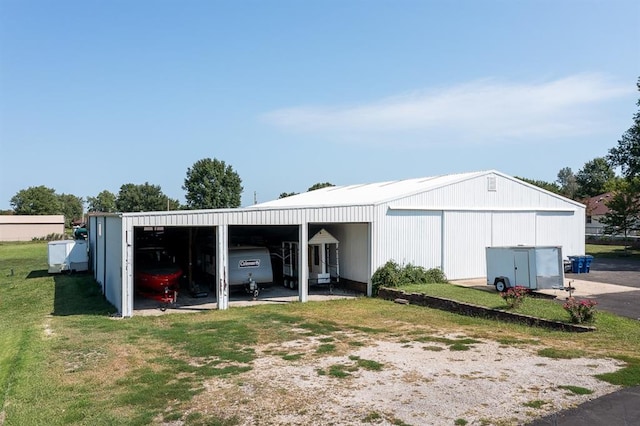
(442, 221)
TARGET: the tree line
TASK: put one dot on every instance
(212, 184)
(209, 184)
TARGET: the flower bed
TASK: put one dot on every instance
(477, 311)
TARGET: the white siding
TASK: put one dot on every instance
(352, 214)
(354, 250)
(473, 194)
(561, 229)
(466, 234)
(408, 237)
(113, 255)
(513, 228)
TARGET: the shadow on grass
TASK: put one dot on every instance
(79, 294)
(38, 274)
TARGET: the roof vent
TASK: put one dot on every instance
(491, 183)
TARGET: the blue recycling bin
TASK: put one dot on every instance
(577, 264)
(587, 263)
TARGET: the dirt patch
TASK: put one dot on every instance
(416, 383)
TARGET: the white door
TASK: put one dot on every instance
(521, 265)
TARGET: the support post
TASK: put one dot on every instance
(303, 263)
(222, 266)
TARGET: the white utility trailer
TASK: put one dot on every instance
(532, 267)
(68, 255)
(324, 267)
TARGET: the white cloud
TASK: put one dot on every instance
(480, 111)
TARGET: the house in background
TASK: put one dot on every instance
(595, 210)
(28, 227)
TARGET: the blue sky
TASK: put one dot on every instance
(97, 94)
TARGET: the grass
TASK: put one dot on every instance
(536, 403)
(612, 251)
(64, 360)
(536, 307)
(578, 390)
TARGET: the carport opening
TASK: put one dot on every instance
(183, 259)
(173, 265)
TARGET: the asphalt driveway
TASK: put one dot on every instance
(621, 272)
(612, 271)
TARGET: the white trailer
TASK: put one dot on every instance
(532, 267)
(68, 255)
(324, 266)
(248, 267)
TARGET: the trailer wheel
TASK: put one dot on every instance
(292, 284)
(500, 285)
(255, 293)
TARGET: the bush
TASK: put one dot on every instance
(580, 311)
(393, 275)
(514, 296)
(387, 275)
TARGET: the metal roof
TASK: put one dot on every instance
(368, 194)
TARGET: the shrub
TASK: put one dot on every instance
(387, 275)
(393, 275)
(413, 274)
(436, 275)
(514, 296)
(580, 311)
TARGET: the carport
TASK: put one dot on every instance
(199, 244)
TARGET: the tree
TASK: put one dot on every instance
(594, 177)
(568, 184)
(320, 185)
(104, 202)
(627, 154)
(623, 216)
(72, 207)
(36, 200)
(287, 194)
(211, 184)
(142, 198)
(549, 186)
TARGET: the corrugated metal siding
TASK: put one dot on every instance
(252, 216)
(465, 236)
(112, 232)
(408, 237)
(354, 250)
(566, 230)
(474, 194)
(28, 227)
(513, 228)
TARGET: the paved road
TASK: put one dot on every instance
(621, 408)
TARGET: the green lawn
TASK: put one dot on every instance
(612, 251)
(65, 360)
(542, 308)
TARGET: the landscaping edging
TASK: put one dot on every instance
(478, 311)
